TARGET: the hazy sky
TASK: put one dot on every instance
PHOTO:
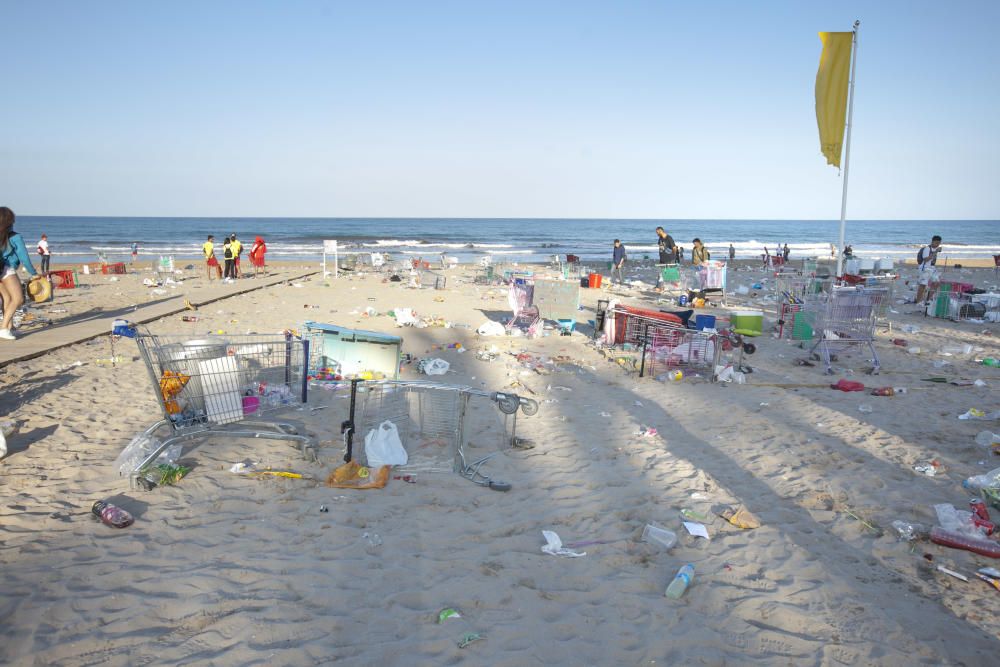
(492, 109)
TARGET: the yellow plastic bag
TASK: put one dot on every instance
(355, 476)
(740, 517)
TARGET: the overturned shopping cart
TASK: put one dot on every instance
(848, 316)
(443, 428)
(219, 385)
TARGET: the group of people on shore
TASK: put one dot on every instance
(669, 251)
(232, 250)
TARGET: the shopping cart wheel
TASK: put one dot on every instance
(508, 403)
(529, 406)
(499, 486)
(875, 370)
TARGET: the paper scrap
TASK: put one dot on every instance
(696, 529)
(554, 546)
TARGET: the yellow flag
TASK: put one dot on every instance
(831, 92)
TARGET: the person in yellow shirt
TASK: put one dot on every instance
(237, 249)
(208, 247)
(699, 253)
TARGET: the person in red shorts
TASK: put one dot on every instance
(208, 247)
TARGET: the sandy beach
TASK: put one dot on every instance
(222, 569)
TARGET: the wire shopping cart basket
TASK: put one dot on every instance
(222, 384)
(849, 317)
(444, 428)
(521, 298)
(669, 347)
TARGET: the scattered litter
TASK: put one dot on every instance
(696, 529)
(864, 407)
(468, 638)
(404, 317)
(908, 531)
(952, 573)
(665, 538)
(554, 547)
(696, 516)
(741, 517)
(975, 413)
(491, 328)
(847, 385)
(433, 366)
(930, 469)
(445, 614)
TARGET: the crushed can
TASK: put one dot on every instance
(978, 508)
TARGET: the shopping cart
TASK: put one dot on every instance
(793, 292)
(442, 427)
(849, 317)
(219, 385)
(521, 300)
(666, 346)
(710, 277)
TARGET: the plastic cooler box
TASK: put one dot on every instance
(747, 322)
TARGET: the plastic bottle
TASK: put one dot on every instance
(991, 362)
(989, 480)
(987, 438)
(955, 540)
(888, 391)
(695, 516)
(112, 515)
(683, 580)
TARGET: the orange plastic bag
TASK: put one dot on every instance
(355, 476)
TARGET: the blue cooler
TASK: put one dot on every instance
(702, 322)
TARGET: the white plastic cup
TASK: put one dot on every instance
(665, 538)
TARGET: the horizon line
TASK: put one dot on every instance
(383, 217)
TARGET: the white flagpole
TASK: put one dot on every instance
(847, 149)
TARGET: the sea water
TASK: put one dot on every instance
(83, 239)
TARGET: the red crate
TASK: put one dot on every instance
(65, 279)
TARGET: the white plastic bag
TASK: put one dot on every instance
(384, 448)
(404, 317)
(434, 366)
(491, 328)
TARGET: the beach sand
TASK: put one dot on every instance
(229, 570)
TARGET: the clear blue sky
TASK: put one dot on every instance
(475, 108)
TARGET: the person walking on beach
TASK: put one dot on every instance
(699, 253)
(211, 263)
(237, 251)
(44, 253)
(785, 253)
(617, 262)
(257, 251)
(14, 254)
(228, 257)
(135, 251)
(732, 252)
(665, 244)
(926, 261)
